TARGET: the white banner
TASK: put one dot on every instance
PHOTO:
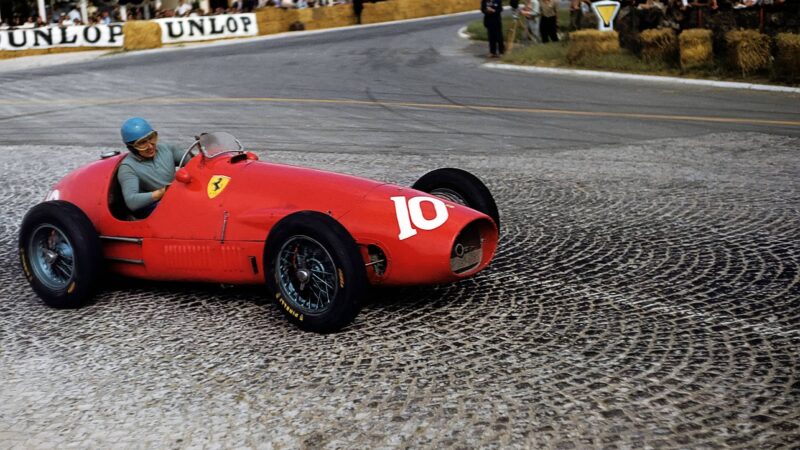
(203, 28)
(72, 36)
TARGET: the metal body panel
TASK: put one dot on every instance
(212, 225)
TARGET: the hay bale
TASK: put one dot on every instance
(274, 20)
(141, 35)
(748, 50)
(696, 48)
(659, 45)
(8, 54)
(381, 12)
(589, 43)
(787, 55)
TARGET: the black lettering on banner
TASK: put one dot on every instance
(64, 39)
(114, 32)
(45, 34)
(195, 24)
(172, 34)
(12, 38)
(232, 25)
(97, 34)
(246, 22)
(214, 29)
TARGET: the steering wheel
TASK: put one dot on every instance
(188, 152)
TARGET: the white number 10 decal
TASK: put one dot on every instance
(410, 211)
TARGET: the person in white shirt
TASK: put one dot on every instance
(183, 9)
(74, 15)
(533, 12)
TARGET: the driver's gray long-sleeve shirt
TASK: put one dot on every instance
(138, 176)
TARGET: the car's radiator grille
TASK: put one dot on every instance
(467, 250)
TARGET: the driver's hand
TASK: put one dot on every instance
(158, 193)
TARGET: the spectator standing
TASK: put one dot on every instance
(493, 21)
(74, 15)
(533, 13)
(358, 6)
(575, 15)
(30, 23)
(549, 24)
(183, 9)
(105, 19)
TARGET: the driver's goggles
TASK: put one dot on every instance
(146, 141)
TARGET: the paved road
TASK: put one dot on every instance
(646, 292)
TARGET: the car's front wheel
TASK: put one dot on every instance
(315, 271)
(60, 253)
(462, 187)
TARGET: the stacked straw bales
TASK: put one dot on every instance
(141, 35)
(586, 44)
(748, 50)
(7, 54)
(659, 45)
(697, 50)
(787, 55)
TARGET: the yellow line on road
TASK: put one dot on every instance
(397, 104)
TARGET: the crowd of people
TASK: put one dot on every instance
(67, 13)
(541, 16)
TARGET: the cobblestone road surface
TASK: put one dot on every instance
(643, 296)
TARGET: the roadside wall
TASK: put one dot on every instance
(276, 20)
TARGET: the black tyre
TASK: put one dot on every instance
(462, 187)
(60, 254)
(314, 271)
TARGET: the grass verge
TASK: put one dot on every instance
(555, 55)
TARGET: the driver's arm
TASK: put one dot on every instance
(129, 182)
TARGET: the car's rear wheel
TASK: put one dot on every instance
(315, 271)
(60, 254)
(462, 187)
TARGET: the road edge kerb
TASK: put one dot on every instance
(646, 78)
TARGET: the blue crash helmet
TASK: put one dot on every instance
(134, 129)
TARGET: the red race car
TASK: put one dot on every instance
(318, 239)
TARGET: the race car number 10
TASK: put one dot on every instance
(409, 211)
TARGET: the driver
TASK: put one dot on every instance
(146, 172)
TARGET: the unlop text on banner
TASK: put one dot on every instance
(71, 36)
(203, 28)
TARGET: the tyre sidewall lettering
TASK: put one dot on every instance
(25, 265)
(288, 308)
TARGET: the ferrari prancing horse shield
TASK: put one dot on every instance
(217, 184)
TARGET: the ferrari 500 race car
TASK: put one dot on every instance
(317, 239)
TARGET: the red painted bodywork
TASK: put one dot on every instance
(183, 238)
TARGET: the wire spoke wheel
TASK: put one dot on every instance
(60, 253)
(51, 256)
(449, 194)
(307, 275)
(315, 271)
(461, 187)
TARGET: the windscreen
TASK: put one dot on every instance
(213, 144)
